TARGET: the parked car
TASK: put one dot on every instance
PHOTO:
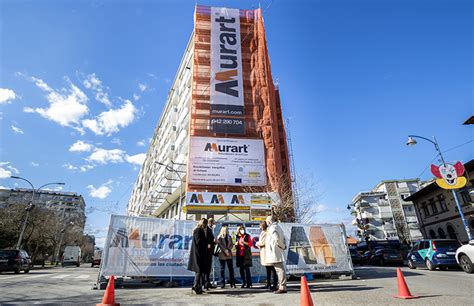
(433, 253)
(96, 258)
(356, 257)
(465, 257)
(71, 256)
(387, 256)
(367, 257)
(15, 260)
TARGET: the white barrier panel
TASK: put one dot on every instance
(137, 246)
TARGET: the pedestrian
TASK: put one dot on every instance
(198, 255)
(210, 253)
(224, 241)
(243, 256)
(263, 260)
(275, 252)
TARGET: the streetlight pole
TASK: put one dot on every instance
(412, 142)
(30, 205)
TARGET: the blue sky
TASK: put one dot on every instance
(84, 82)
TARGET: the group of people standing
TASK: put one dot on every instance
(204, 246)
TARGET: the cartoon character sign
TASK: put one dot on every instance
(449, 176)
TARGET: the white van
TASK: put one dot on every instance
(72, 256)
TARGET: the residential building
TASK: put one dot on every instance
(383, 214)
(220, 146)
(437, 211)
(69, 206)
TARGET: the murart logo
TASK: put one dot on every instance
(214, 147)
(217, 198)
(228, 79)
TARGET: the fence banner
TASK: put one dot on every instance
(137, 246)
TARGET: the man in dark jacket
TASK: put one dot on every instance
(198, 256)
(210, 253)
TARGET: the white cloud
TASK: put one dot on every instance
(4, 173)
(141, 143)
(116, 141)
(82, 168)
(67, 106)
(6, 170)
(6, 95)
(102, 192)
(103, 156)
(137, 159)
(17, 130)
(142, 87)
(111, 121)
(92, 82)
(80, 146)
(136, 97)
(33, 164)
(3, 187)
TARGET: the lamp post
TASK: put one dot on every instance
(180, 186)
(30, 205)
(411, 142)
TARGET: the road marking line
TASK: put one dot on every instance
(36, 276)
(83, 276)
(61, 276)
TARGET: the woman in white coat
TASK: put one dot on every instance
(263, 261)
(275, 252)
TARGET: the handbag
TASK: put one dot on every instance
(217, 250)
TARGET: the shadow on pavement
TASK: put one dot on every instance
(376, 273)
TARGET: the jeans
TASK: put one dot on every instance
(280, 269)
(245, 275)
(230, 267)
(271, 270)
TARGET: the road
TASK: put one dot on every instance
(376, 285)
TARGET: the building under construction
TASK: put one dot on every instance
(220, 145)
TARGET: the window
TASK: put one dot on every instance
(432, 234)
(441, 233)
(451, 232)
(433, 206)
(466, 197)
(425, 210)
(442, 202)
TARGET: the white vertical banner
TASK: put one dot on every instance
(226, 82)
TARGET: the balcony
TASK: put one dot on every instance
(411, 219)
(381, 202)
(386, 214)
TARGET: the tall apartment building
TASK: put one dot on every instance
(68, 206)
(220, 145)
(383, 213)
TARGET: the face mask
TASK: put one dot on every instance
(242, 232)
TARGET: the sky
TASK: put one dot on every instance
(83, 84)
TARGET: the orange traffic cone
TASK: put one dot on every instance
(403, 291)
(305, 299)
(109, 295)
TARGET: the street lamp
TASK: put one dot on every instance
(411, 142)
(30, 205)
(180, 186)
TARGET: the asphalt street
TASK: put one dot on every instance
(376, 285)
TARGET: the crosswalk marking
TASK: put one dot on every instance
(82, 276)
(36, 276)
(26, 277)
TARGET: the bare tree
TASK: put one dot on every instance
(295, 204)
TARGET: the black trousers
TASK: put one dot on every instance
(271, 270)
(245, 275)
(197, 280)
(230, 267)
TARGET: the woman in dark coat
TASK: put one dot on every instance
(243, 256)
(198, 255)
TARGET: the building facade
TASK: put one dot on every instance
(220, 145)
(68, 206)
(437, 211)
(383, 214)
